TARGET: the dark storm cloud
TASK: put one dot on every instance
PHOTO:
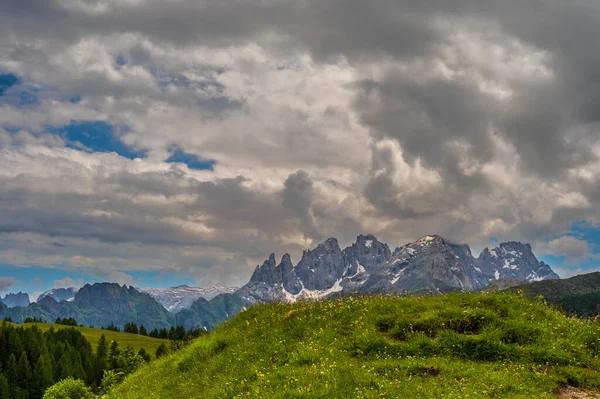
(297, 198)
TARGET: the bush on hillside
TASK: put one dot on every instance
(69, 389)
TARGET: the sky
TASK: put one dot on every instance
(161, 143)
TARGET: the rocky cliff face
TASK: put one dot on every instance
(514, 260)
(428, 264)
(15, 300)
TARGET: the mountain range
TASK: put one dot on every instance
(430, 264)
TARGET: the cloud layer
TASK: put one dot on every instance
(320, 118)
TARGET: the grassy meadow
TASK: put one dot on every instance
(123, 339)
(494, 345)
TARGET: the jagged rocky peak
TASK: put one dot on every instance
(429, 263)
(291, 282)
(19, 299)
(514, 260)
(320, 268)
(366, 253)
(266, 272)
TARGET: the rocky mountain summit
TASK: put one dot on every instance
(428, 264)
(59, 294)
(15, 300)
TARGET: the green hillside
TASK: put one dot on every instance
(453, 346)
(123, 339)
(578, 295)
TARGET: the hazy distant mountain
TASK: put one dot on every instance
(208, 314)
(182, 297)
(59, 294)
(14, 300)
(99, 305)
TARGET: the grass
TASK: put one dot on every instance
(494, 345)
(123, 339)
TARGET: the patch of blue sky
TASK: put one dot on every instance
(37, 279)
(120, 60)
(192, 161)
(7, 81)
(581, 230)
(95, 136)
(15, 93)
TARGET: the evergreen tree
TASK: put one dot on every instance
(143, 331)
(131, 328)
(144, 355)
(12, 374)
(4, 388)
(24, 375)
(102, 350)
(113, 356)
(63, 368)
(161, 350)
(128, 361)
(42, 376)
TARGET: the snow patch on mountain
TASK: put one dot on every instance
(175, 299)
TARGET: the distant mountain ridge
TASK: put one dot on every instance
(59, 294)
(175, 299)
(14, 300)
(368, 265)
(98, 305)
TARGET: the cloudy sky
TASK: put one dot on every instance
(154, 142)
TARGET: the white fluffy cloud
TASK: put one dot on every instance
(323, 118)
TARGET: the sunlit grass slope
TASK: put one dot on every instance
(123, 339)
(454, 346)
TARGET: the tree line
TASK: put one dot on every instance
(178, 333)
(32, 360)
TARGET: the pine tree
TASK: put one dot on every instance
(4, 388)
(161, 350)
(113, 356)
(62, 369)
(24, 375)
(144, 355)
(12, 374)
(102, 350)
(143, 330)
(42, 376)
